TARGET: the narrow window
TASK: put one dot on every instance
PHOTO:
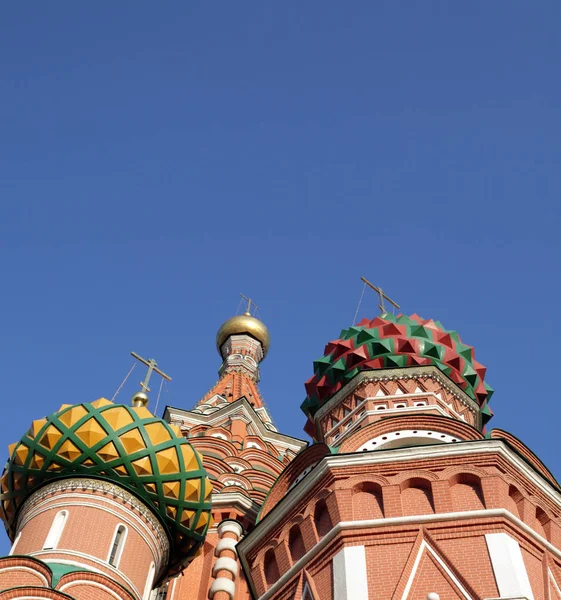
(149, 582)
(55, 531)
(117, 545)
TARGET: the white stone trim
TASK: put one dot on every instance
(375, 523)
(13, 548)
(222, 585)
(230, 527)
(225, 544)
(508, 566)
(425, 434)
(397, 455)
(226, 563)
(426, 547)
(350, 581)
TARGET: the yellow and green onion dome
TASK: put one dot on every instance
(395, 341)
(123, 444)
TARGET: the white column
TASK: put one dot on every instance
(508, 565)
(349, 574)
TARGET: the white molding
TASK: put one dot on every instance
(439, 437)
(230, 527)
(350, 581)
(378, 523)
(227, 564)
(396, 455)
(226, 544)
(425, 546)
(222, 585)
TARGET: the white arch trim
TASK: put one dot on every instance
(408, 437)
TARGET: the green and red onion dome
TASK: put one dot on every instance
(395, 341)
(125, 445)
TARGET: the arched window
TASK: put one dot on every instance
(117, 546)
(270, 567)
(149, 582)
(55, 531)
(296, 544)
(322, 519)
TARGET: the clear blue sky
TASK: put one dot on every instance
(156, 159)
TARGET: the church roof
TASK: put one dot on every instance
(125, 445)
(393, 341)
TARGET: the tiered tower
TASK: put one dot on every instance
(243, 453)
(100, 501)
(404, 495)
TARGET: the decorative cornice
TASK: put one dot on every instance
(177, 415)
(405, 373)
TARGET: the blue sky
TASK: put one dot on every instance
(156, 160)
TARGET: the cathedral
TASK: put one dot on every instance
(403, 492)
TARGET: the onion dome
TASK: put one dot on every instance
(125, 445)
(388, 342)
(244, 324)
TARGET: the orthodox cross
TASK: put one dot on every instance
(382, 296)
(250, 303)
(152, 368)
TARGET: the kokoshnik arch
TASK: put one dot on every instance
(403, 494)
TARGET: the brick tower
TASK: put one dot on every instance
(242, 452)
(404, 495)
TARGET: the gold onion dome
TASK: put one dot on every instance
(125, 445)
(247, 324)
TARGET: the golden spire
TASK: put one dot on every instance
(246, 323)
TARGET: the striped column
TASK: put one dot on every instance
(226, 566)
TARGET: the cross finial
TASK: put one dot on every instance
(250, 303)
(382, 296)
(141, 398)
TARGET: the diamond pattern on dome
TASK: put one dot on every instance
(36, 427)
(50, 437)
(392, 342)
(126, 445)
(132, 441)
(157, 433)
(91, 432)
(74, 414)
(69, 451)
